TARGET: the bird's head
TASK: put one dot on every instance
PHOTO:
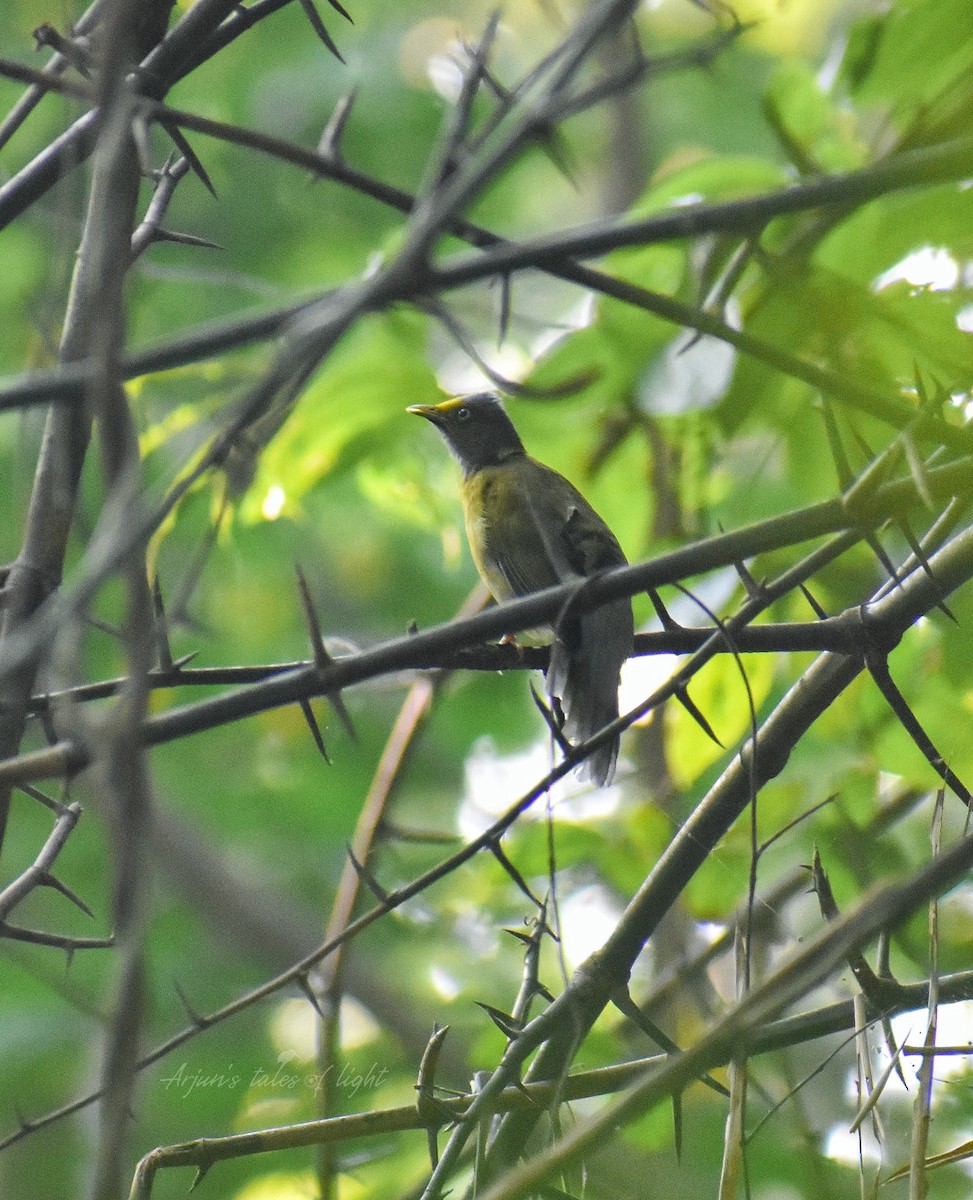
(476, 428)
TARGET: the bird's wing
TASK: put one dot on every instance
(531, 529)
(588, 650)
(525, 553)
(576, 540)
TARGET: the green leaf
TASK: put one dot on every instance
(353, 411)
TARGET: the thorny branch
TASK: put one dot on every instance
(593, 986)
(202, 1153)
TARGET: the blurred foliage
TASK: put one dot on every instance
(675, 437)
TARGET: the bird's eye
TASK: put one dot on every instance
(463, 414)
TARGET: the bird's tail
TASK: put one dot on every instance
(583, 677)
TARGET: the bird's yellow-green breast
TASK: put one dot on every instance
(500, 504)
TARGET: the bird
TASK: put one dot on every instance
(529, 528)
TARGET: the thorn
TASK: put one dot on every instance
(555, 147)
(877, 471)
(667, 622)
(312, 722)
(35, 794)
(368, 878)
(878, 668)
(682, 695)
(519, 934)
(317, 25)
(201, 1173)
(623, 1001)
(163, 651)
(537, 928)
(165, 169)
(189, 154)
(500, 93)
(815, 607)
(305, 985)
(894, 1053)
(343, 715)
(541, 927)
(506, 296)
(512, 871)
(876, 547)
(863, 446)
(508, 1025)
(338, 9)
(330, 144)
(159, 234)
(551, 721)
(923, 561)
(522, 1088)
(200, 1022)
(917, 469)
(51, 881)
(838, 456)
(754, 590)
(186, 658)
(322, 659)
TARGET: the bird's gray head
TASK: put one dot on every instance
(476, 429)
